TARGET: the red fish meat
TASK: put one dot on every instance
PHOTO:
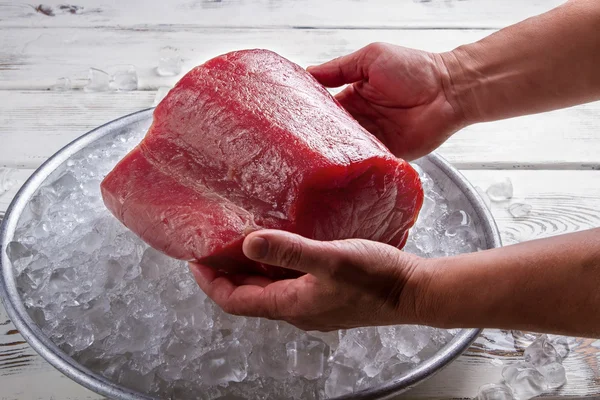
(250, 140)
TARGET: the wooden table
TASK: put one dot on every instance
(552, 159)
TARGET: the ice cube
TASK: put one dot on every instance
(560, 344)
(462, 235)
(270, 360)
(351, 350)
(341, 381)
(306, 358)
(332, 339)
(169, 62)
(426, 181)
(114, 367)
(554, 373)
(494, 391)
(82, 338)
(136, 380)
(501, 190)
(541, 352)
(524, 339)
(170, 372)
(428, 207)
(7, 179)
(161, 93)
(62, 85)
(124, 78)
(17, 251)
(425, 240)
(519, 210)
(525, 380)
(99, 81)
(151, 263)
(90, 242)
(394, 368)
(63, 279)
(407, 340)
(225, 364)
(375, 366)
(484, 197)
(455, 218)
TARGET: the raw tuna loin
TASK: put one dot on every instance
(250, 140)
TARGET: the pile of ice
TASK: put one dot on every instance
(137, 317)
(541, 370)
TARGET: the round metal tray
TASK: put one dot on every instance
(454, 187)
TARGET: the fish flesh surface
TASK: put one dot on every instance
(250, 140)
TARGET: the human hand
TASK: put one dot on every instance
(347, 283)
(402, 96)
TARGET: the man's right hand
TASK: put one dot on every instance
(402, 96)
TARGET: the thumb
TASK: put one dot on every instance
(291, 251)
(342, 70)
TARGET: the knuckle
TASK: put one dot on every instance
(377, 47)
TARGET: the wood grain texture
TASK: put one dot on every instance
(563, 201)
(33, 58)
(375, 14)
(35, 124)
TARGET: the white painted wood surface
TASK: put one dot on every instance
(570, 138)
(341, 14)
(551, 158)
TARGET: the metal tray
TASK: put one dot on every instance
(454, 187)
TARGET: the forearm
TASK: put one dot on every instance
(548, 285)
(546, 62)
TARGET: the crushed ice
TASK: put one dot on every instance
(138, 318)
(124, 78)
(501, 190)
(169, 62)
(62, 85)
(7, 180)
(98, 81)
(539, 371)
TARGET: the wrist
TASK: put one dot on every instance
(421, 303)
(459, 79)
(457, 295)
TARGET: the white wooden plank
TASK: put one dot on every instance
(35, 58)
(563, 201)
(275, 13)
(35, 124)
(33, 121)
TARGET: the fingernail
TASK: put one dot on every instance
(257, 248)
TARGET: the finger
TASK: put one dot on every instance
(290, 251)
(268, 302)
(246, 299)
(241, 279)
(226, 294)
(215, 284)
(342, 70)
(360, 109)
